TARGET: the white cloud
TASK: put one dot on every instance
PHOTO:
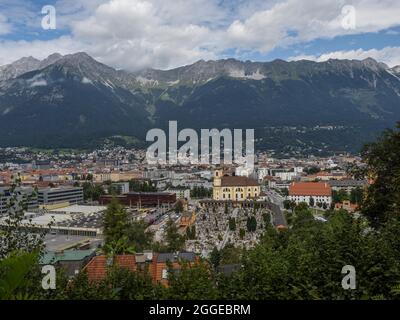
(13, 50)
(388, 55)
(134, 34)
(293, 21)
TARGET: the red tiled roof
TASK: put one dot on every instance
(97, 268)
(310, 189)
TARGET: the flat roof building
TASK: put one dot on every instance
(73, 195)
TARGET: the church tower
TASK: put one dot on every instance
(217, 184)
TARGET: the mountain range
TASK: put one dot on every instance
(295, 107)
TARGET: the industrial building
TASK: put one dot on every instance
(141, 199)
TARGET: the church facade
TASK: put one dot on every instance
(234, 188)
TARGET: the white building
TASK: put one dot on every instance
(319, 192)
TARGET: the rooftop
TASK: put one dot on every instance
(80, 209)
(310, 189)
(233, 181)
(67, 255)
(97, 267)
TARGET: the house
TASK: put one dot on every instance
(162, 260)
(346, 205)
(97, 268)
(234, 188)
(320, 192)
(156, 264)
(72, 261)
(181, 193)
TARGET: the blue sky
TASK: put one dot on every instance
(134, 34)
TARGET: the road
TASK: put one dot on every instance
(275, 197)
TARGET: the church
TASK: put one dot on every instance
(234, 188)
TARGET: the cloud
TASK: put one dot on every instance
(292, 21)
(388, 55)
(5, 27)
(12, 50)
(134, 34)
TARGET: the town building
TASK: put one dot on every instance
(320, 192)
(156, 264)
(181, 193)
(72, 261)
(25, 195)
(234, 188)
(122, 187)
(72, 195)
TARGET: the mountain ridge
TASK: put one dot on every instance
(75, 100)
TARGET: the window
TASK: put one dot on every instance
(164, 274)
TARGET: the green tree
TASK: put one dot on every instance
(192, 282)
(14, 271)
(179, 206)
(139, 237)
(115, 228)
(232, 224)
(383, 166)
(356, 195)
(251, 224)
(242, 233)
(215, 258)
(175, 241)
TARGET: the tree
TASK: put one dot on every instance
(115, 225)
(14, 271)
(215, 258)
(286, 204)
(191, 232)
(339, 196)
(251, 224)
(356, 195)
(129, 285)
(179, 206)
(382, 199)
(15, 235)
(91, 191)
(141, 186)
(175, 241)
(192, 282)
(139, 237)
(242, 233)
(312, 170)
(232, 224)
(230, 254)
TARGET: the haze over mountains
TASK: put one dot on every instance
(75, 101)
